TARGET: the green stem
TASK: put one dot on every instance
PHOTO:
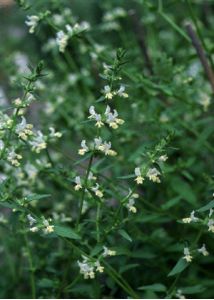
(31, 268)
(84, 189)
(98, 222)
(195, 21)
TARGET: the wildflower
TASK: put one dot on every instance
(179, 294)
(54, 134)
(203, 250)
(86, 268)
(187, 256)
(31, 220)
(163, 158)
(108, 252)
(190, 219)
(14, 158)
(96, 190)
(91, 176)
(153, 174)
(99, 268)
(17, 102)
(23, 129)
(211, 225)
(62, 40)
(32, 22)
(78, 185)
(48, 228)
(139, 179)
(95, 116)
(84, 148)
(121, 92)
(130, 206)
(34, 229)
(112, 118)
(38, 143)
(108, 93)
(104, 147)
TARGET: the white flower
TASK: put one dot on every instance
(95, 116)
(187, 256)
(179, 295)
(91, 176)
(78, 185)
(112, 118)
(62, 40)
(86, 268)
(153, 174)
(203, 250)
(211, 225)
(104, 147)
(54, 134)
(107, 92)
(84, 148)
(98, 142)
(99, 268)
(108, 252)
(38, 142)
(32, 22)
(47, 227)
(96, 190)
(190, 219)
(121, 92)
(31, 220)
(163, 158)
(14, 158)
(23, 129)
(139, 179)
(130, 206)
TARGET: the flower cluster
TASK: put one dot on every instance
(98, 145)
(109, 93)
(44, 225)
(62, 37)
(89, 267)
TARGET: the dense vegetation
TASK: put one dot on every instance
(106, 149)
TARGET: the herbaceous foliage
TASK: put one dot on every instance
(106, 147)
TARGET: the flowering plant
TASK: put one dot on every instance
(106, 181)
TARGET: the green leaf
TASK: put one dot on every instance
(183, 189)
(156, 287)
(124, 234)
(33, 197)
(193, 289)
(66, 232)
(128, 267)
(181, 265)
(206, 207)
(46, 283)
(126, 176)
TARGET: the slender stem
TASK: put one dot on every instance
(98, 222)
(31, 267)
(201, 54)
(192, 14)
(174, 26)
(84, 189)
(111, 271)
